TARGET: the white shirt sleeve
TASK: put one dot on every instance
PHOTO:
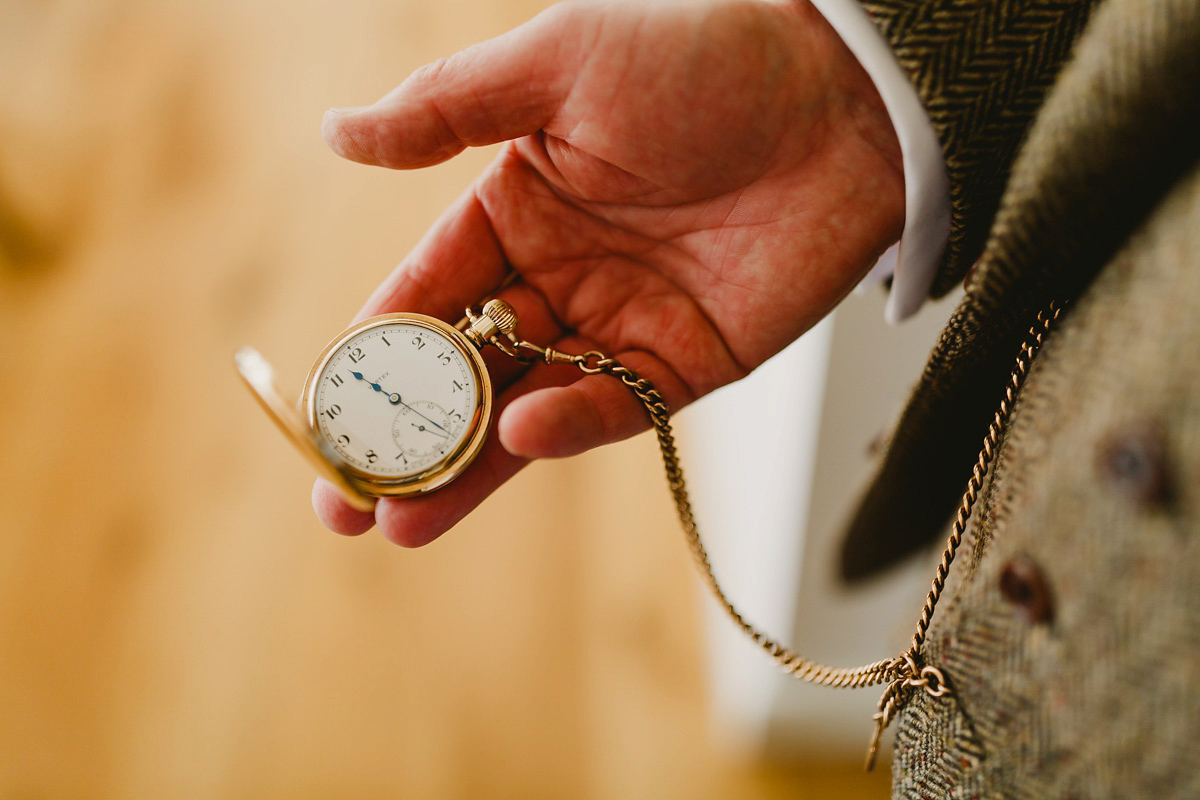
(914, 259)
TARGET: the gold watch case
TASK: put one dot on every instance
(300, 425)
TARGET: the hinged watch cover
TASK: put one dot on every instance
(259, 377)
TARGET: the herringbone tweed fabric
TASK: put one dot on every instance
(982, 69)
(1092, 691)
(1072, 641)
(1111, 143)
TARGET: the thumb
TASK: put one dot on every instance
(501, 89)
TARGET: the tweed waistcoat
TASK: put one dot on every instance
(1071, 639)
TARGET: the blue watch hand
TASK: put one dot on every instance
(393, 398)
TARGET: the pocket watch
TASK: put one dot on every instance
(398, 404)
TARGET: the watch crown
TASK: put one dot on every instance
(502, 314)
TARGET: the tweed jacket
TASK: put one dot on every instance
(1070, 636)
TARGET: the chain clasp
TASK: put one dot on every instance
(911, 676)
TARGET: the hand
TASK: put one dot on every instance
(685, 186)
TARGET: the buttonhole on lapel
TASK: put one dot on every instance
(1024, 585)
(1133, 461)
(971, 274)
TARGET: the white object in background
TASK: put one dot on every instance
(776, 463)
(749, 458)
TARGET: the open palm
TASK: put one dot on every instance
(688, 187)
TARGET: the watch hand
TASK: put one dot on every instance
(423, 428)
(427, 419)
(393, 397)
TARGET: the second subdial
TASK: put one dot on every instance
(422, 429)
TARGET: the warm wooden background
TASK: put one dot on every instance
(173, 621)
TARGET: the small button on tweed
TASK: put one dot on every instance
(1133, 462)
(1025, 586)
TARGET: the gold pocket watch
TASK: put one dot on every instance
(396, 405)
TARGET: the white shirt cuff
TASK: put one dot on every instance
(926, 186)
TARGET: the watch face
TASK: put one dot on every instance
(397, 398)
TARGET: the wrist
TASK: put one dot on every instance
(858, 138)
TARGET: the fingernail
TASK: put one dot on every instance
(344, 110)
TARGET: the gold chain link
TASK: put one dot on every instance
(905, 673)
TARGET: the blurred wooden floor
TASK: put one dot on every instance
(173, 620)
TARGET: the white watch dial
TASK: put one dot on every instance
(397, 399)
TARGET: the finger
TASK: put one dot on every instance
(336, 514)
(549, 413)
(560, 421)
(457, 262)
(496, 90)
(412, 287)
(416, 521)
